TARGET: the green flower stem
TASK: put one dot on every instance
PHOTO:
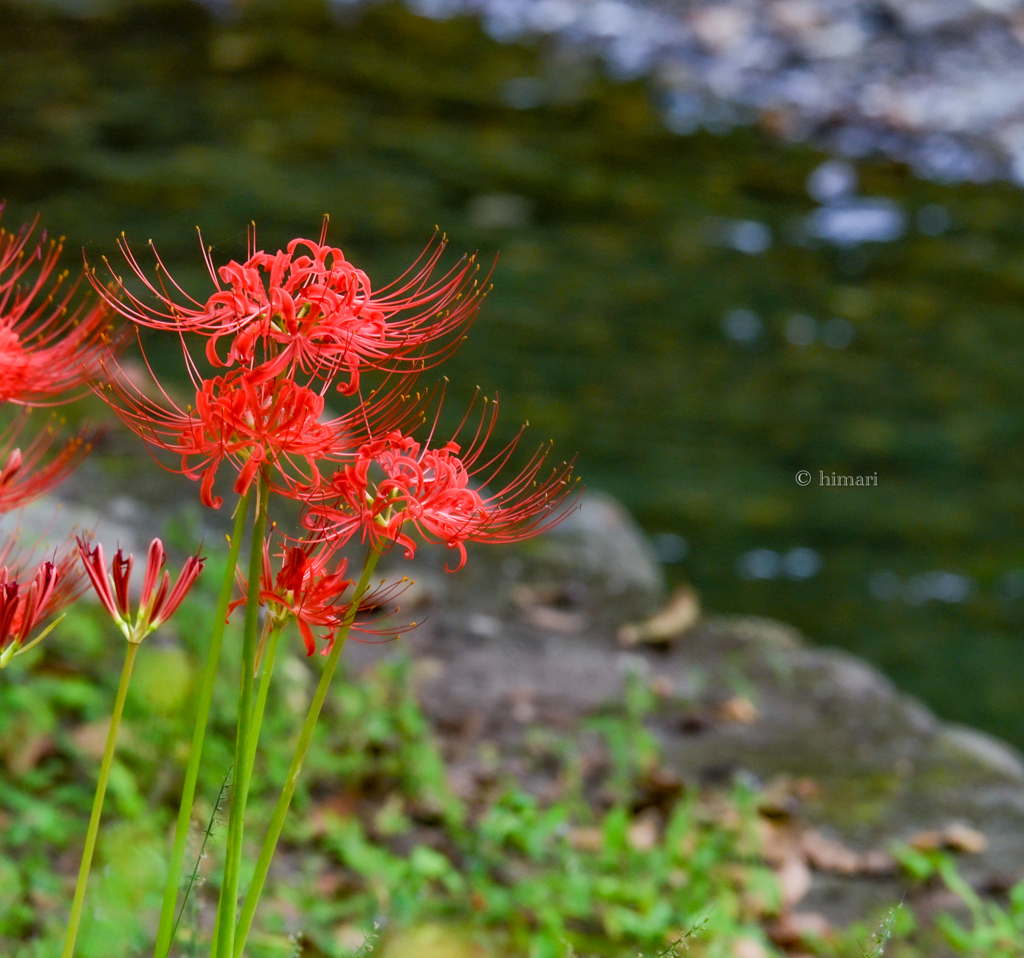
(188, 793)
(97, 803)
(261, 697)
(227, 908)
(254, 737)
(277, 821)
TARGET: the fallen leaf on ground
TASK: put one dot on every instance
(681, 613)
(642, 834)
(778, 841)
(91, 738)
(561, 621)
(739, 709)
(962, 838)
(794, 879)
(747, 947)
(779, 798)
(926, 841)
(827, 855)
(328, 883)
(878, 862)
(956, 838)
(23, 754)
(794, 928)
(586, 839)
(806, 788)
(323, 815)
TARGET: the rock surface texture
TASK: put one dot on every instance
(854, 760)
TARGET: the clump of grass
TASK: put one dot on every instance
(883, 936)
(195, 879)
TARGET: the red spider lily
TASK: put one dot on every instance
(428, 490)
(25, 600)
(308, 590)
(253, 423)
(158, 601)
(307, 309)
(47, 345)
(23, 474)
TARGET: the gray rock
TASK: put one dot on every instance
(601, 542)
(981, 750)
(597, 565)
(884, 768)
(48, 523)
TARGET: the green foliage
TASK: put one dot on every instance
(632, 746)
(994, 931)
(378, 832)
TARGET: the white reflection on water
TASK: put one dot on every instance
(832, 180)
(801, 330)
(857, 220)
(938, 585)
(798, 564)
(670, 547)
(742, 325)
(759, 564)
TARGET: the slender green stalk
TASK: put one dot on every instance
(97, 803)
(261, 696)
(254, 737)
(165, 933)
(284, 801)
(228, 905)
(215, 939)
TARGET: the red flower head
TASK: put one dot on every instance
(23, 474)
(306, 588)
(26, 599)
(307, 310)
(47, 345)
(158, 601)
(429, 490)
(254, 423)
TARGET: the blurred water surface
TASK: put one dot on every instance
(701, 317)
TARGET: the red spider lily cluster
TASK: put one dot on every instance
(297, 321)
(437, 493)
(27, 473)
(52, 342)
(48, 347)
(26, 599)
(310, 586)
(158, 601)
(306, 311)
(284, 330)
